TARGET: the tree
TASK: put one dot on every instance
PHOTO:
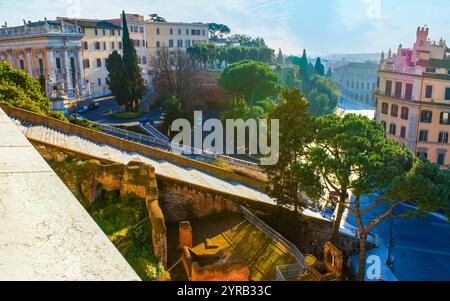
(218, 31)
(319, 67)
(296, 132)
(174, 75)
(244, 40)
(117, 79)
(319, 103)
(352, 153)
(135, 83)
(250, 80)
(329, 73)
(303, 63)
(280, 58)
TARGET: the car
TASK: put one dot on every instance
(76, 116)
(145, 120)
(94, 106)
(83, 110)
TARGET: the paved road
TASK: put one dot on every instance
(110, 106)
(422, 249)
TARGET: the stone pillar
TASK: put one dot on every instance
(31, 63)
(81, 77)
(185, 235)
(159, 238)
(67, 74)
(50, 70)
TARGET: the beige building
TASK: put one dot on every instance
(51, 52)
(174, 35)
(413, 97)
(100, 39)
(137, 29)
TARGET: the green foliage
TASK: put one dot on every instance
(127, 115)
(218, 31)
(244, 40)
(296, 133)
(85, 123)
(125, 79)
(250, 80)
(319, 67)
(22, 91)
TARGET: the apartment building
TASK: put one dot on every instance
(51, 52)
(174, 35)
(100, 39)
(413, 97)
(357, 82)
(137, 29)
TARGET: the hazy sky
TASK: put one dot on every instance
(320, 26)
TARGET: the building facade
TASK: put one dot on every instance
(413, 97)
(137, 30)
(357, 82)
(51, 52)
(100, 39)
(174, 35)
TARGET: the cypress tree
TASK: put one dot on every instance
(319, 67)
(135, 82)
(329, 72)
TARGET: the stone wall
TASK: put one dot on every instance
(87, 178)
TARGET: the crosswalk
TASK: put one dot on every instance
(162, 168)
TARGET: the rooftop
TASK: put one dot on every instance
(91, 23)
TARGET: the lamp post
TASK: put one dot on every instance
(390, 259)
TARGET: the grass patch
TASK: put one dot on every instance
(117, 217)
(127, 115)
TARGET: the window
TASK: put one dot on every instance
(203, 32)
(86, 63)
(423, 136)
(99, 62)
(99, 81)
(104, 45)
(408, 91)
(120, 45)
(394, 111)
(405, 113)
(104, 32)
(368, 86)
(136, 29)
(97, 45)
(188, 43)
(141, 29)
(179, 31)
(58, 63)
(430, 70)
(357, 85)
(441, 159)
(113, 45)
(445, 118)
(180, 43)
(139, 60)
(118, 32)
(447, 93)
(171, 31)
(158, 44)
(422, 154)
(403, 132)
(170, 43)
(383, 123)
(398, 90)
(388, 90)
(426, 116)
(41, 66)
(157, 31)
(384, 108)
(393, 129)
(113, 32)
(443, 137)
(96, 32)
(144, 60)
(429, 91)
(187, 32)
(86, 46)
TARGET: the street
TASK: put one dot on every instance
(422, 244)
(109, 106)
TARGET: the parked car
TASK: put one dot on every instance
(145, 120)
(76, 116)
(83, 110)
(94, 106)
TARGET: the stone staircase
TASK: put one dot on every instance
(162, 168)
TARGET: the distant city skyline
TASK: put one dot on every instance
(322, 27)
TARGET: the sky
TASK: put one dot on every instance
(321, 26)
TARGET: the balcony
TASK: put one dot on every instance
(377, 92)
(401, 69)
(38, 30)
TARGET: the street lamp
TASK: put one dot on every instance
(390, 259)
